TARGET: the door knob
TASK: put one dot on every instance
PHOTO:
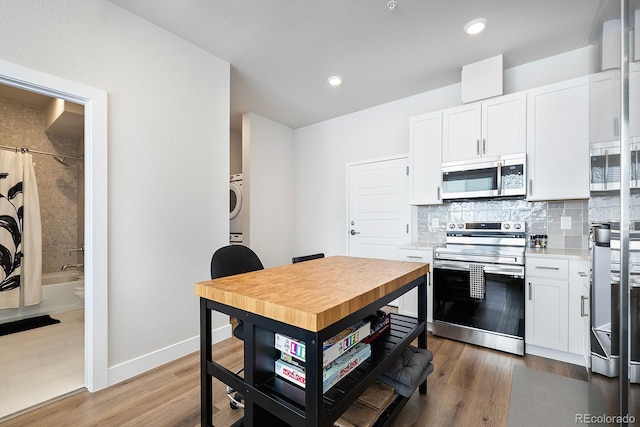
(354, 232)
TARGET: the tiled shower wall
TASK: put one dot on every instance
(540, 218)
(59, 186)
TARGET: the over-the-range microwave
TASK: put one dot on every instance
(488, 177)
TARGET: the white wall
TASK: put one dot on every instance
(323, 149)
(235, 154)
(168, 148)
(268, 190)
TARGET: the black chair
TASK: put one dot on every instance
(228, 261)
(306, 258)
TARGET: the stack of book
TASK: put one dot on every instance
(380, 323)
(340, 355)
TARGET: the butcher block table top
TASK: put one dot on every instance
(313, 294)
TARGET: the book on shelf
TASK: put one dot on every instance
(380, 323)
(331, 348)
(331, 374)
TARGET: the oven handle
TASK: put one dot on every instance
(505, 270)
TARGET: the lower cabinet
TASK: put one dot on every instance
(408, 303)
(556, 308)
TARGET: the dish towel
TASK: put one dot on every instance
(409, 370)
(476, 281)
(20, 232)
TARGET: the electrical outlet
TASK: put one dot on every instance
(434, 222)
(565, 222)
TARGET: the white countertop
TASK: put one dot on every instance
(418, 246)
(555, 253)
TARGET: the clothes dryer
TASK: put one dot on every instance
(235, 204)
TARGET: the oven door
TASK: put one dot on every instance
(487, 297)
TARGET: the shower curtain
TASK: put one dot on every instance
(20, 232)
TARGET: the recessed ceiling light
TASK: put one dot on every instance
(476, 26)
(335, 80)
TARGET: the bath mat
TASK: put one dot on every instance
(26, 324)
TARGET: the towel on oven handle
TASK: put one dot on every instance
(477, 286)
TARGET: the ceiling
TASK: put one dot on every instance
(282, 51)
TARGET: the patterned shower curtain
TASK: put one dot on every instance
(20, 232)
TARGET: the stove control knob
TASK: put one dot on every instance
(507, 226)
(452, 226)
(517, 226)
(461, 226)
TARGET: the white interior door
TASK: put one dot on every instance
(379, 209)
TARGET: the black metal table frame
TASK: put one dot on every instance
(259, 356)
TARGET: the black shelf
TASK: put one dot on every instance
(384, 349)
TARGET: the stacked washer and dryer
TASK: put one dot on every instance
(235, 209)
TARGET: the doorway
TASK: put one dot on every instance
(94, 102)
(379, 211)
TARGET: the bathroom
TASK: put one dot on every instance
(43, 124)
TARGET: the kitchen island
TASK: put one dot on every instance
(311, 302)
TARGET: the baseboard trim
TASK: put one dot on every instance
(549, 353)
(139, 365)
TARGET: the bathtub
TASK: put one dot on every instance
(58, 291)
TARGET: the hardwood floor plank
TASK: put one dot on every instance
(469, 386)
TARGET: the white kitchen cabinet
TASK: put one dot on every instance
(425, 144)
(546, 303)
(604, 106)
(558, 141)
(408, 304)
(579, 309)
(557, 308)
(489, 128)
(579, 325)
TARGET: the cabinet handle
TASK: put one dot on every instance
(438, 190)
(582, 274)
(582, 300)
(546, 267)
(478, 147)
(616, 127)
(414, 256)
(530, 187)
(484, 146)
(606, 167)
(530, 294)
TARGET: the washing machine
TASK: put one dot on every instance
(235, 208)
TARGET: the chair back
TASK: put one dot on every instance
(234, 259)
(306, 258)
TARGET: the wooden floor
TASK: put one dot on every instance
(469, 386)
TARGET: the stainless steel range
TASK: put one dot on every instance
(478, 279)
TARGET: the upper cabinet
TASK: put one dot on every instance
(604, 106)
(558, 141)
(425, 133)
(485, 129)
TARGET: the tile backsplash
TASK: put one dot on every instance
(540, 217)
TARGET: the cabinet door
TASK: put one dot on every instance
(461, 133)
(634, 101)
(409, 302)
(504, 125)
(557, 141)
(578, 307)
(425, 159)
(546, 313)
(604, 106)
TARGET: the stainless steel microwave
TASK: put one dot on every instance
(490, 177)
(605, 165)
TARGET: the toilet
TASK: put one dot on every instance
(79, 291)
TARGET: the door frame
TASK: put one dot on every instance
(95, 207)
(348, 192)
